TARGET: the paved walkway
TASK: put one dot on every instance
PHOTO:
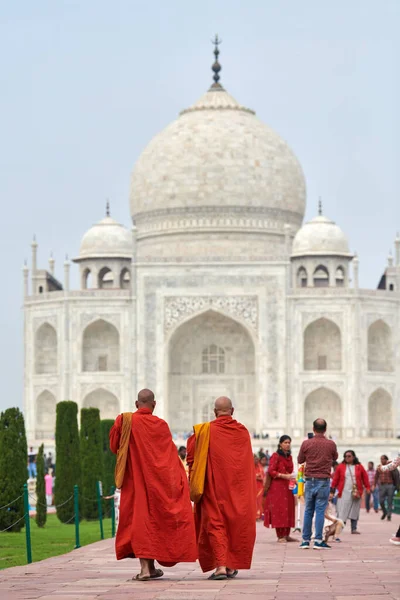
(364, 567)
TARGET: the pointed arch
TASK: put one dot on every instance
(321, 276)
(86, 281)
(326, 404)
(302, 277)
(210, 355)
(45, 416)
(105, 279)
(125, 279)
(322, 346)
(380, 414)
(100, 347)
(105, 401)
(340, 276)
(380, 347)
(45, 350)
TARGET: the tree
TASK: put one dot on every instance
(41, 507)
(109, 457)
(68, 466)
(92, 460)
(13, 467)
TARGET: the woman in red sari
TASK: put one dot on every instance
(259, 486)
(279, 501)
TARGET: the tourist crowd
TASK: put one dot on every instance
(334, 493)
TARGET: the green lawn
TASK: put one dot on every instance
(53, 539)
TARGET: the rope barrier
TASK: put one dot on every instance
(41, 503)
(69, 520)
(7, 528)
(60, 505)
(10, 503)
(37, 502)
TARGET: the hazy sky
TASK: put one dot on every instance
(85, 84)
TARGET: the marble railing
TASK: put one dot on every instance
(60, 295)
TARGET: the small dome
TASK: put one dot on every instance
(106, 239)
(320, 237)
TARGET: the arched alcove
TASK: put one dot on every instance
(125, 279)
(322, 346)
(325, 404)
(100, 347)
(321, 277)
(45, 350)
(86, 283)
(302, 279)
(340, 277)
(45, 416)
(210, 355)
(380, 414)
(105, 401)
(380, 347)
(105, 278)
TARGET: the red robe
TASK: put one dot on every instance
(155, 515)
(226, 514)
(279, 501)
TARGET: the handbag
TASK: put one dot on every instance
(354, 490)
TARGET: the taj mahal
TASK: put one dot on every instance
(218, 288)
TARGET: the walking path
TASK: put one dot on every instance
(362, 567)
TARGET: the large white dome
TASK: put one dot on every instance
(320, 237)
(106, 239)
(217, 168)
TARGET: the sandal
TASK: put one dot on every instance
(218, 577)
(157, 573)
(142, 578)
(232, 575)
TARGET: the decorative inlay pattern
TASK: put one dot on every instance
(178, 308)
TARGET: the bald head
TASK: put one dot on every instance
(146, 400)
(223, 407)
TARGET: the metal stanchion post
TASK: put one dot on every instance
(27, 525)
(113, 512)
(76, 511)
(99, 495)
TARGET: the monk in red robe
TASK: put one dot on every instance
(223, 487)
(156, 517)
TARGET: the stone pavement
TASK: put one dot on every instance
(364, 567)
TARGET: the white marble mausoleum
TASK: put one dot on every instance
(218, 288)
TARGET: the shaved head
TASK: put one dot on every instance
(223, 407)
(146, 399)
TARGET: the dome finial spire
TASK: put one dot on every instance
(320, 206)
(107, 208)
(216, 66)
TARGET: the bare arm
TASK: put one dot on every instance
(390, 466)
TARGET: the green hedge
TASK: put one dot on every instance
(68, 471)
(13, 467)
(91, 460)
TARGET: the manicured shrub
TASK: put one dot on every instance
(13, 468)
(41, 507)
(68, 464)
(91, 460)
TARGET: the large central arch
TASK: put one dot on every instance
(210, 355)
